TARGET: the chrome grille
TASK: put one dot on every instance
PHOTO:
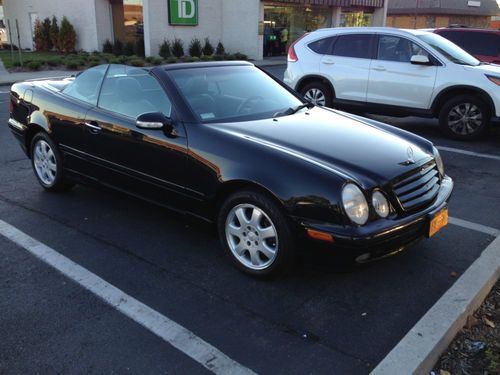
(418, 188)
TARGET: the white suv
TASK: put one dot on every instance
(396, 72)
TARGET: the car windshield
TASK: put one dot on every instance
(449, 49)
(233, 93)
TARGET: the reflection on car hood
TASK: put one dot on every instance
(355, 150)
(486, 69)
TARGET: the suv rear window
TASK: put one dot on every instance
(354, 45)
(475, 42)
(322, 46)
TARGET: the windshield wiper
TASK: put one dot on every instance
(292, 110)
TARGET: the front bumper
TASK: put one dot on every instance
(384, 237)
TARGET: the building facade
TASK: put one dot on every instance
(257, 28)
(416, 14)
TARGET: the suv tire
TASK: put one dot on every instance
(317, 93)
(464, 117)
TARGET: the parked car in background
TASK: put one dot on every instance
(483, 44)
(396, 72)
(228, 143)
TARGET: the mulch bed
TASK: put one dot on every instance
(476, 348)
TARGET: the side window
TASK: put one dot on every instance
(354, 45)
(394, 48)
(86, 86)
(322, 46)
(133, 91)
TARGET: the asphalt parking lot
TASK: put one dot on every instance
(327, 317)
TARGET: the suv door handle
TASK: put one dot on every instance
(328, 61)
(379, 68)
(93, 127)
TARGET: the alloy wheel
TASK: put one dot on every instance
(252, 237)
(315, 96)
(45, 162)
(465, 118)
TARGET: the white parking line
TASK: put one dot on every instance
(470, 153)
(474, 226)
(173, 333)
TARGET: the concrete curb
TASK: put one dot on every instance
(420, 349)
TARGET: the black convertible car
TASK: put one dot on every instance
(228, 143)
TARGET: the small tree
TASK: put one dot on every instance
(208, 49)
(54, 32)
(46, 33)
(118, 48)
(178, 48)
(220, 49)
(107, 47)
(39, 37)
(165, 49)
(195, 48)
(67, 36)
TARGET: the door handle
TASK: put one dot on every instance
(328, 62)
(379, 68)
(93, 127)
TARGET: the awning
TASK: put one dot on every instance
(335, 3)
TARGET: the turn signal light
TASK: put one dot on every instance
(321, 236)
(11, 106)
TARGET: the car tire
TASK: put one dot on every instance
(464, 117)
(47, 164)
(317, 93)
(255, 233)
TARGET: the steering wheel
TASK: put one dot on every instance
(248, 104)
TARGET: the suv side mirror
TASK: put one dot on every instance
(420, 60)
(155, 120)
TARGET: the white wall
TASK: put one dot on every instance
(83, 14)
(233, 22)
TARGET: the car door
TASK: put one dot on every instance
(394, 80)
(67, 122)
(150, 163)
(347, 66)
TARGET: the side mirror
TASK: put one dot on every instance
(420, 60)
(156, 120)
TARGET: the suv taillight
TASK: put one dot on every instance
(292, 56)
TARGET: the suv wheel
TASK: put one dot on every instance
(255, 234)
(464, 117)
(317, 93)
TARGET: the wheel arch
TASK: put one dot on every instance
(452, 91)
(314, 78)
(33, 129)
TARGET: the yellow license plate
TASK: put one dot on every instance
(438, 222)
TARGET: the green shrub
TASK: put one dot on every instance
(115, 60)
(54, 61)
(71, 64)
(93, 63)
(206, 58)
(139, 47)
(107, 47)
(195, 48)
(128, 49)
(136, 62)
(34, 65)
(228, 56)
(178, 48)
(122, 59)
(208, 49)
(220, 49)
(171, 60)
(107, 57)
(156, 60)
(218, 57)
(240, 56)
(16, 63)
(118, 48)
(96, 53)
(67, 36)
(165, 49)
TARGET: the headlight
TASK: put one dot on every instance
(380, 204)
(355, 204)
(439, 161)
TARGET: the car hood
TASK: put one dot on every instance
(354, 149)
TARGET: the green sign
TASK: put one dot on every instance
(183, 12)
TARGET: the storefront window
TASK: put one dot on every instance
(133, 20)
(355, 18)
(285, 24)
